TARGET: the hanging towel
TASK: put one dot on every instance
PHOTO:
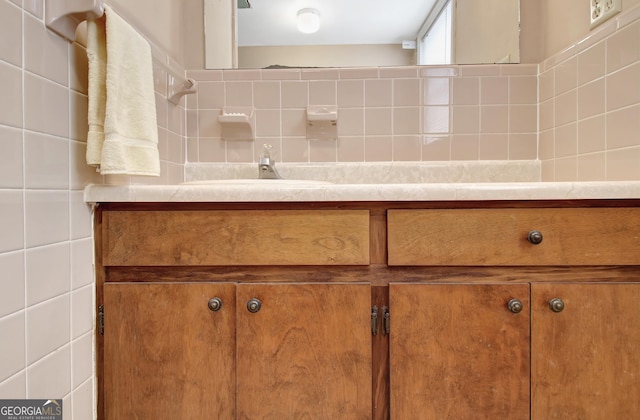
(97, 55)
(123, 133)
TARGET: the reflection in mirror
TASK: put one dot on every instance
(361, 33)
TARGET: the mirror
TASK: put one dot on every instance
(355, 33)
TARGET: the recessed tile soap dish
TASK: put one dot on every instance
(237, 124)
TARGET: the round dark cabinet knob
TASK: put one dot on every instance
(254, 305)
(535, 237)
(215, 304)
(556, 305)
(515, 306)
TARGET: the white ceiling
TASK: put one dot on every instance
(273, 22)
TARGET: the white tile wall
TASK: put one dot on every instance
(13, 350)
(11, 220)
(12, 298)
(46, 245)
(48, 329)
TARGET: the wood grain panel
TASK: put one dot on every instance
(166, 355)
(378, 237)
(376, 274)
(100, 280)
(586, 359)
(457, 352)
(306, 354)
(579, 236)
(250, 237)
(380, 354)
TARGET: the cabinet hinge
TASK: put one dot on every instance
(386, 321)
(374, 320)
(101, 319)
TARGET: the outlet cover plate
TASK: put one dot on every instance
(602, 10)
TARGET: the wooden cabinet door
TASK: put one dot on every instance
(457, 352)
(586, 358)
(306, 354)
(167, 355)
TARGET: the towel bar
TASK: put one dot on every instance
(64, 16)
(179, 87)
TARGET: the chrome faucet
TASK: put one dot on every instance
(266, 165)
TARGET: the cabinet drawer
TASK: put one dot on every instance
(236, 237)
(570, 236)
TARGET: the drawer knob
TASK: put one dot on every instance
(535, 237)
(215, 304)
(515, 306)
(254, 305)
(556, 304)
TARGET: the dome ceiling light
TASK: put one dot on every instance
(308, 20)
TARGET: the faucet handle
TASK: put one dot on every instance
(266, 164)
(266, 151)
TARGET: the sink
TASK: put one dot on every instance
(255, 181)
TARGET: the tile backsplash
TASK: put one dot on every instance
(384, 114)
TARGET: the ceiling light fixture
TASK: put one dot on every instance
(308, 21)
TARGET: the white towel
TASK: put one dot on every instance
(97, 55)
(123, 133)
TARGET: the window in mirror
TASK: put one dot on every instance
(434, 43)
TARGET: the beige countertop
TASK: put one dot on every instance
(353, 181)
(302, 192)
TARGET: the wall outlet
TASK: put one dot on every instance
(602, 10)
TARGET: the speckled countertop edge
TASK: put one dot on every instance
(363, 192)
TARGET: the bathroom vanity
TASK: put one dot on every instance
(355, 301)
